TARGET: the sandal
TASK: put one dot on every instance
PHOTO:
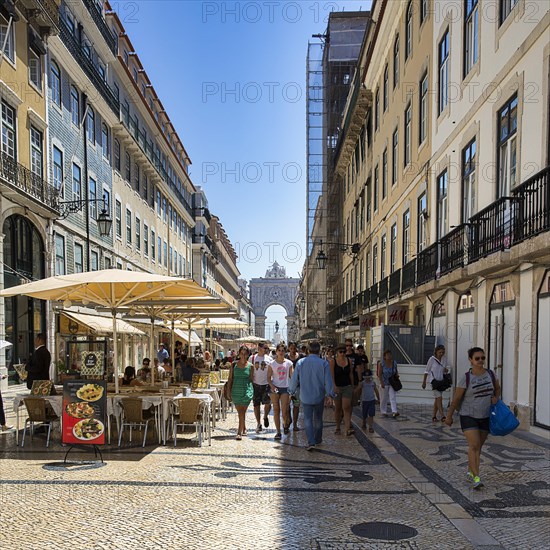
(434, 419)
(337, 431)
(239, 437)
(351, 431)
(443, 419)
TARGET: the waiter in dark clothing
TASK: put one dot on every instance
(38, 367)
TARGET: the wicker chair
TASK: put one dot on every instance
(133, 416)
(38, 412)
(190, 412)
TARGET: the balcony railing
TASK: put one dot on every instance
(50, 8)
(504, 223)
(97, 16)
(73, 45)
(454, 249)
(23, 179)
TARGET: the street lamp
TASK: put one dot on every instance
(321, 258)
(104, 221)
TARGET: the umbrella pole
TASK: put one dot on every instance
(189, 340)
(115, 351)
(172, 351)
(152, 350)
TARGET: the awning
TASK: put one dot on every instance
(102, 325)
(183, 334)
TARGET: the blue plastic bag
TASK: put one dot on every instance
(502, 420)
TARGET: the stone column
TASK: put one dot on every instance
(260, 325)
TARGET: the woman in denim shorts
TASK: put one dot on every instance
(342, 377)
(278, 377)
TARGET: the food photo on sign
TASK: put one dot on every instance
(84, 412)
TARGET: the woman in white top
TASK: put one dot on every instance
(278, 378)
(435, 369)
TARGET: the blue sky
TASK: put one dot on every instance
(231, 76)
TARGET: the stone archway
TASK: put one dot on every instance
(273, 289)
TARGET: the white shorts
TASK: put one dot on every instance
(437, 393)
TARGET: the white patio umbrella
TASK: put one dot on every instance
(250, 339)
(5, 344)
(110, 288)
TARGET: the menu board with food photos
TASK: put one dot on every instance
(84, 412)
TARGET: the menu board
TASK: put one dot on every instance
(92, 363)
(84, 412)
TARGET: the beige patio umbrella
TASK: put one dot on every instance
(250, 339)
(112, 289)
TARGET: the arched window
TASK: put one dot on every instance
(91, 125)
(385, 91)
(56, 84)
(75, 106)
(408, 30)
(105, 140)
(396, 61)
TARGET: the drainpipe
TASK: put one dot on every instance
(86, 182)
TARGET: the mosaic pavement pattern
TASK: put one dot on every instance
(259, 493)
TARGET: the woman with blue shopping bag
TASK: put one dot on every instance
(476, 391)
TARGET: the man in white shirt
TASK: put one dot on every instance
(261, 387)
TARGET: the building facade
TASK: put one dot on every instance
(444, 181)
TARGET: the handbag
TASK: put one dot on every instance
(394, 381)
(444, 384)
(501, 419)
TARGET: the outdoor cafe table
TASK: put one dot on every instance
(213, 393)
(222, 400)
(172, 399)
(56, 403)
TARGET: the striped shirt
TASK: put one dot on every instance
(477, 398)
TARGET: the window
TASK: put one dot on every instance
(396, 61)
(153, 256)
(377, 109)
(126, 57)
(35, 69)
(106, 201)
(59, 254)
(128, 226)
(118, 219)
(506, 6)
(422, 221)
(8, 130)
(443, 72)
(165, 247)
(91, 125)
(407, 136)
(383, 258)
(36, 152)
(423, 109)
(471, 35)
(385, 90)
(158, 204)
(77, 182)
(78, 258)
(375, 190)
(138, 233)
(374, 263)
(507, 145)
(423, 10)
(55, 77)
(75, 106)
(136, 176)
(406, 236)
(107, 262)
(159, 250)
(442, 222)
(145, 239)
(164, 209)
(116, 152)
(408, 30)
(93, 196)
(128, 166)
(134, 70)
(58, 170)
(384, 173)
(393, 248)
(468, 180)
(118, 264)
(105, 140)
(395, 156)
(9, 50)
(368, 191)
(94, 261)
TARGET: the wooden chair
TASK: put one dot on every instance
(190, 412)
(38, 412)
(133, 416)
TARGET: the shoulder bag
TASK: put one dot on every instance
(394, 381)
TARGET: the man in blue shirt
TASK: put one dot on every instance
(312, 376)
(162, 354)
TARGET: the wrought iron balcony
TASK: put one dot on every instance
(99, 20)
(383, 289)
(395, 284)
(74, 46)
(44, 12)
(408, 280)
(454, 249)
(21, 178)
(426, 264)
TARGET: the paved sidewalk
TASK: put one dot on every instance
(511, 511)
(260, 493)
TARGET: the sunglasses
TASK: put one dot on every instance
(341, 351)
(479, 358)
(349, 345)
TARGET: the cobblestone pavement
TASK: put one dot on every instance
(259, 493)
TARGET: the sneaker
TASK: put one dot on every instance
(277, 436)
(258, 428)
(239, 437)
(470, 477)
(7, 428)
(395, 415)
(477, 482)
(286, 430)
(310, 448)
(266, 422)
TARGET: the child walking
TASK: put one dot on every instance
(369, 398)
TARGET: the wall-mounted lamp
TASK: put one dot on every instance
(321, 258)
